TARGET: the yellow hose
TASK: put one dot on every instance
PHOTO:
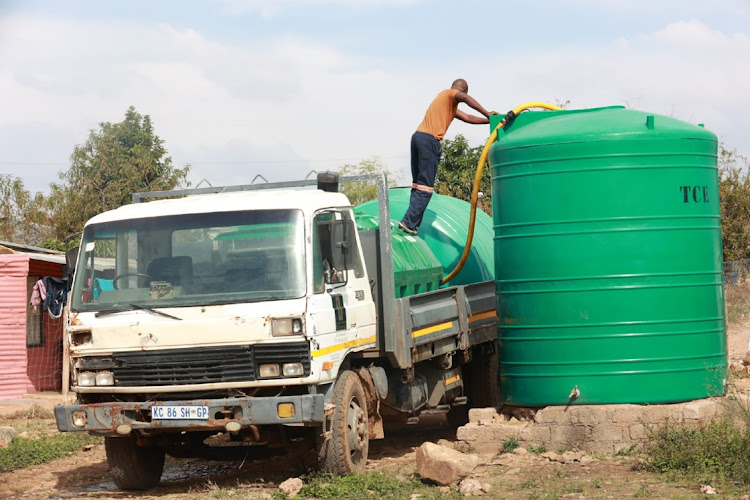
(478, 178)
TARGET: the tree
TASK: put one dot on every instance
(23, 218)
(457, 170)
(115, 161)
(734, 195)
(360, 192)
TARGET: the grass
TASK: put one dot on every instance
(369, 486)
(43, 443)
(643, 492)
(34, 412)
(33, 420)
(627, 451)
(22, 452)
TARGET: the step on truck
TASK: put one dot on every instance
(254, 321)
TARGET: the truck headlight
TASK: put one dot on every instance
(282, 327)
(87, 379)
(105, 378)
(268, 370)
(293, 370)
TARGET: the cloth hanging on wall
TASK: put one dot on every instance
(56, 297)
(38, 294)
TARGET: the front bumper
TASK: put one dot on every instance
(104, 418)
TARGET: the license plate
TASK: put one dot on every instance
(179, 412)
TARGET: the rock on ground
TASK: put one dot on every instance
(443, 465)
(291, 486)
(6, 436)
(469, 485)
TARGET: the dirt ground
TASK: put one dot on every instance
(85, 474)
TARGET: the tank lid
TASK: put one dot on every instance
(601, 124)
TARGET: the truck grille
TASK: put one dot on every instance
(196, 366)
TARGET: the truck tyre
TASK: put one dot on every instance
(345, 449)
(484, 390)
(133, 467)
(458, 416)
(481, 385)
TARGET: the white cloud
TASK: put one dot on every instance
(291, 104)
(290, 101)
(271, 8)
(671, 8)
(685, 69)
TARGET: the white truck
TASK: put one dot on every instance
(252, 321)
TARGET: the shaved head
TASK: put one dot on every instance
(460, 84)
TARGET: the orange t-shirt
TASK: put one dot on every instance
(440, 114)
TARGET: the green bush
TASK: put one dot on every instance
(510, 444)
(718, 452)
(23, 452)
(537, 450)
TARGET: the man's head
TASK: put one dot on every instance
(460, 85)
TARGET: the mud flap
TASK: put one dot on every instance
(373, 403)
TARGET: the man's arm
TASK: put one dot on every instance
(475, 120)
(472, 103)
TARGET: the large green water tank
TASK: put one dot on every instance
(443, 231)
(608, 259)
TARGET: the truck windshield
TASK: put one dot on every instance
(190, 260)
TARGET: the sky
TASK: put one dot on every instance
(237, 88)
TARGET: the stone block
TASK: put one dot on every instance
(658, 414)
(628, 414)
(487, 438)
(607, 433)
(638, 432)
(552, 414)
(538, 434)
(477, 414)
(569, 436)
(703, 410)
(589, 414)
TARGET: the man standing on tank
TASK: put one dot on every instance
(426, 150)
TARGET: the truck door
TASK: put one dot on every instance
(341, 305)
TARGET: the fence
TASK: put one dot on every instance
(736, 272)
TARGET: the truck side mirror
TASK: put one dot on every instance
(71, 256)
(343, 248)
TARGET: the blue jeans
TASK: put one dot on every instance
(425, 156)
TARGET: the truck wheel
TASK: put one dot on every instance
(133, 467)
(481, 386)
(345, 450)
(484, 391)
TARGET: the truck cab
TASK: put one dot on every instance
(236, 323)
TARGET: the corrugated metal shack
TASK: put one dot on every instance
(30, 340)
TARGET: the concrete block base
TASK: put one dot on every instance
(594, 428)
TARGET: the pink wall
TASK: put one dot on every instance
(13, 272)
(26, 369)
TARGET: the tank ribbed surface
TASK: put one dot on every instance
(608, 252)
(415, 267)
(444, 229)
